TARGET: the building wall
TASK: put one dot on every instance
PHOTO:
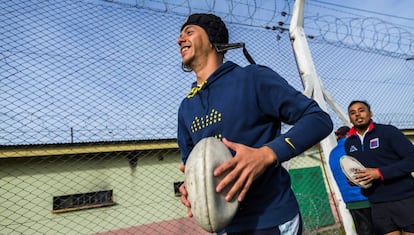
(143, 194)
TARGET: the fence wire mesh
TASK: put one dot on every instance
(89, 93)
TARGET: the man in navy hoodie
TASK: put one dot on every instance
(388, 156)
(244, 107)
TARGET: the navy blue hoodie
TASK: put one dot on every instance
(386, 148)
(247, 105)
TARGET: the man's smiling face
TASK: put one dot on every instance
(194, 44)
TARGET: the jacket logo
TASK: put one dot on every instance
(374, 143)
(353, 149)
(287, 140)
(199, 123)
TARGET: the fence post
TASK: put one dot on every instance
(313, 88)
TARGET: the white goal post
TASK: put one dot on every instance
(313, 88)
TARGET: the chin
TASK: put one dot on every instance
(362, 126)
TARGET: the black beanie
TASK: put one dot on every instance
(212, 24)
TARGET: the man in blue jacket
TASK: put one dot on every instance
(355, 202)
(388, 156)
(244, 107)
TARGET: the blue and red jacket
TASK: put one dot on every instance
(349, 193)
(247, 105)
(388, 149)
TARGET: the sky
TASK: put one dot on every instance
(395, 11)
(90, 68)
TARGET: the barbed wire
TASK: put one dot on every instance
(371, 33)
(368, 32)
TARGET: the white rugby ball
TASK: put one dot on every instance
(349, 166)
(210, 210)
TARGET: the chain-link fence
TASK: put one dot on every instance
(89, 98)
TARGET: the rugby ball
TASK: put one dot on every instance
(210, 210)
(349, 166)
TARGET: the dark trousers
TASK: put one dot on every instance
(363, 221)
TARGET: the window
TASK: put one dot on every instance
(82, 201)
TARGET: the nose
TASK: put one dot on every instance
(180, 40)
